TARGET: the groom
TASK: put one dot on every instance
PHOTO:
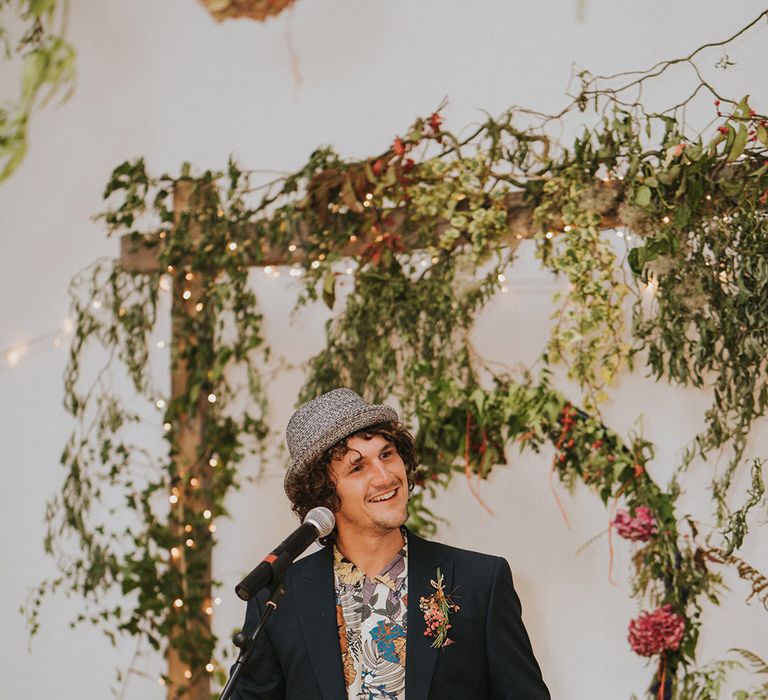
(380, 612)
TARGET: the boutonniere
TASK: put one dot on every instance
(437, 608)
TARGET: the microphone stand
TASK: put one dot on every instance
(247, 644)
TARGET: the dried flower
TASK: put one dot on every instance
(638, 529)
(436, 609)
(657, 631)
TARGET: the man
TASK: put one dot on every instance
(380, 612)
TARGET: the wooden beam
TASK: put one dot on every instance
(140, 255)
(192, 472)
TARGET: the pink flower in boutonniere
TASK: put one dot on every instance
(437, 609)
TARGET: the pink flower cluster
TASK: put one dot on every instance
(434, 619)
(653, 632)
(638, 529)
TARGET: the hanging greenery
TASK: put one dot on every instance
(47, 67)
(254, 9)
(426, 230)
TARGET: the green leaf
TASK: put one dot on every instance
(33, 73)
(643, 196)
(739, 142)
(762, 135)
(37, 8)
(329, 288)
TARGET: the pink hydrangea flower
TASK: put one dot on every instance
(638, 529)
(654, 632)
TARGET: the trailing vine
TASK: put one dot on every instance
(426, 230)
(157, 553)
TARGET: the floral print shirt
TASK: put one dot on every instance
(371, 617)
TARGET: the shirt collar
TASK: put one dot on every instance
(348, 574)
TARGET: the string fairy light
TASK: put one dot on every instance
(13, 354)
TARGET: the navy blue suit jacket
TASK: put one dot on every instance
(297, 656)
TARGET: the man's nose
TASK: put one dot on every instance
(380, 471)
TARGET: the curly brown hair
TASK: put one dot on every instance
(314, 487)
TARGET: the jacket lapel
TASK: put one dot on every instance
(317, 615)
(423, 561)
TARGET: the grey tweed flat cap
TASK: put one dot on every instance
(324, 421)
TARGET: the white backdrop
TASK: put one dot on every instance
(162, 80)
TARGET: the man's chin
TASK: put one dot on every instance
(391, 521)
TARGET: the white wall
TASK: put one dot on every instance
(161, 79)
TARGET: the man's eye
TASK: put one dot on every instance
(386, 454)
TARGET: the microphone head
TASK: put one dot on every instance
(323, 519)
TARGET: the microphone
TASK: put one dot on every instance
(318, 523)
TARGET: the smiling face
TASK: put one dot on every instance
(372, 486)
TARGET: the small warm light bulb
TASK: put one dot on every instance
(167, 427)
(190, 542)
(315, 264)
(207, 514)
(199, 306)
(209, 668)
(708, 197)
(212, 398)
(175, 552)
(352, 238)
(502, 278)
(160, 403)
(209, 610)
(186, 294)
(217, 601)
(665, 219)
(504, 290)
(14, 356)
(213, 462)
(211, 528)
(194, 482)
(292, 247)
(549, 234)
(189, 276)
(567, 228)
(173, 498)
(187, 528)
(268, 270)
(178, 603)
(187, 674)
(161, 344)
(96, 304)
(232, 246)
(161, 681)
